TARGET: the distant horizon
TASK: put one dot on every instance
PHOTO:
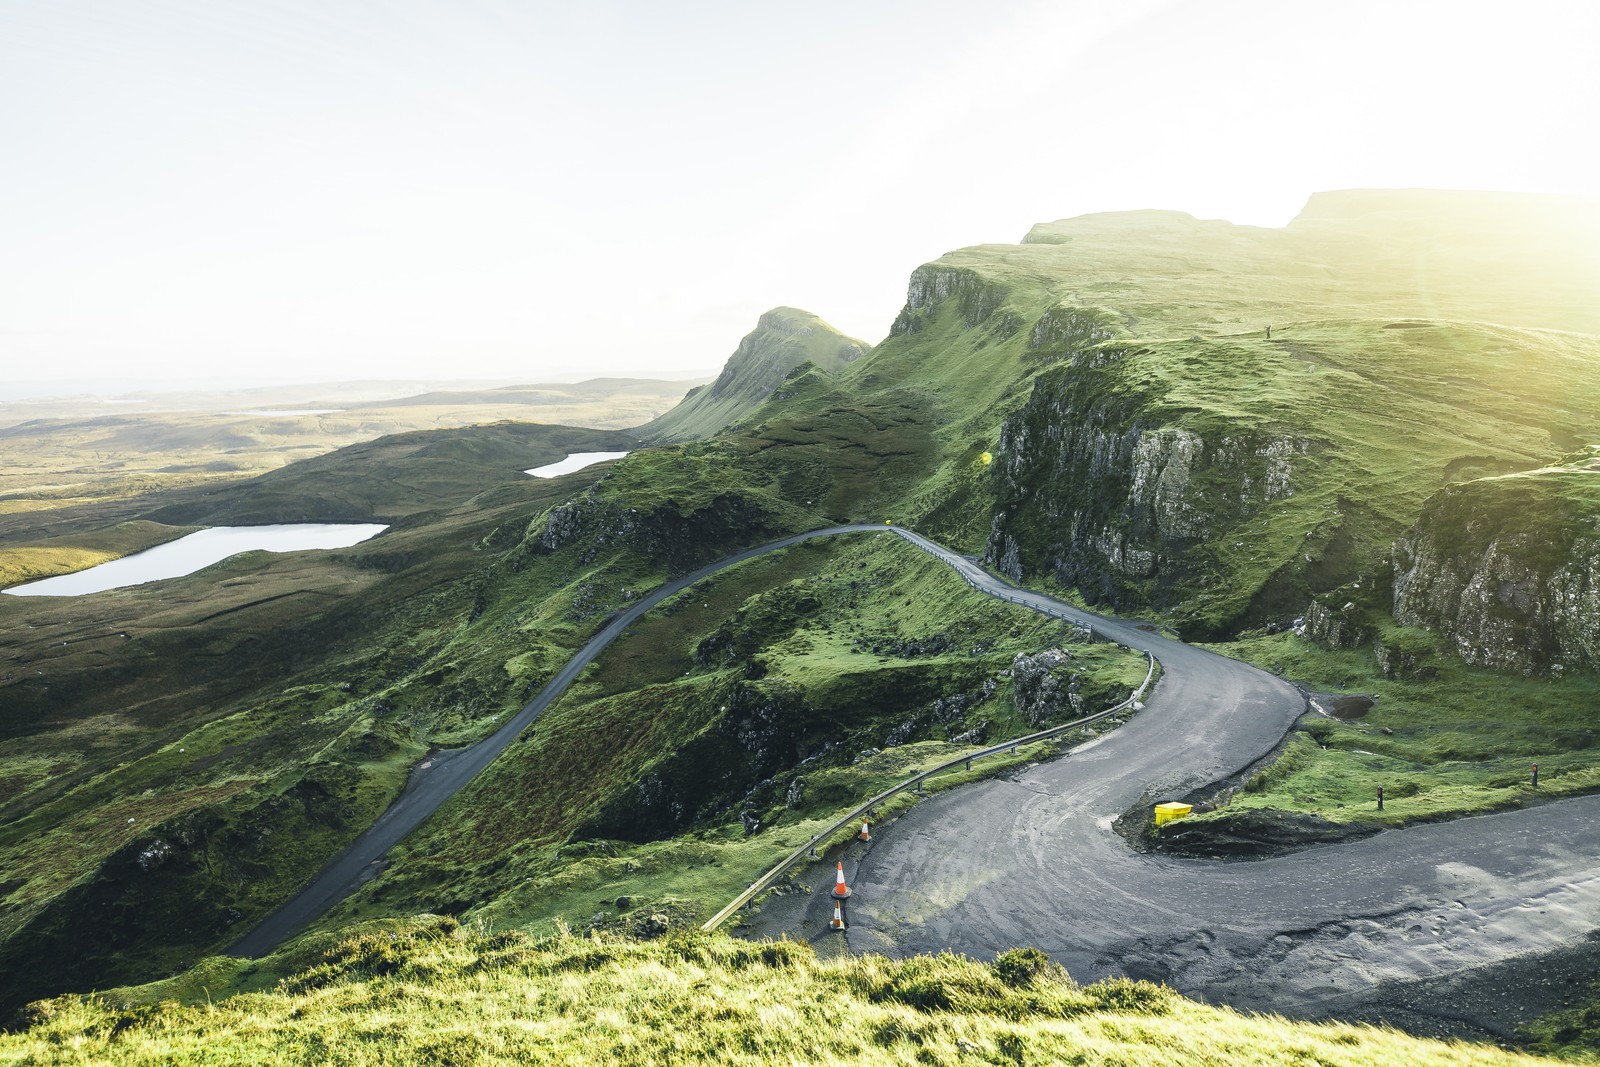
(40, 390)
(16, 390)
(514, 192)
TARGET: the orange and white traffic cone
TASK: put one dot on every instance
(865, 834)
(840, 890)
(837, 922)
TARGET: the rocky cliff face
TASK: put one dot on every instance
(976, 296)
(1508, 570)
(1108, 490)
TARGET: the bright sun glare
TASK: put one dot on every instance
(312, 192)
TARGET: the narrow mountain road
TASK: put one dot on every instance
(1031, 858)
(441, 776)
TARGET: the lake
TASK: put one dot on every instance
(575, 462)
(188, 554)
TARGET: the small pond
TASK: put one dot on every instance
(575, 462)
(188, 554)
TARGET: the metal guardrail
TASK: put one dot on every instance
(916, 782)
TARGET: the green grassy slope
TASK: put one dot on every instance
(790, 669)
(784, 338)
(1456, 740)
(1136, 325)
(429, 992)
(1316, 449)
(247, 721)
(1189, 299)
(257, 715)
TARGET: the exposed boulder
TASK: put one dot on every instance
(1045, 687)
(1337, 623)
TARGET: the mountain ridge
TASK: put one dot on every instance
(784, 339)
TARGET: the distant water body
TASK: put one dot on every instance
(575, 462)
(288, 411)
(188, 554)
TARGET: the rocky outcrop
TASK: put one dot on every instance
(1336, 623)
(1106, 490)
(1065, 330)
(976, 297)
(681, 534)
(1507, 570)
(1046, 687)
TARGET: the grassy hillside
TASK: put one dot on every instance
(255, 716)
(429, 991)
(1189, 300)
(758, 700)
(784, 338)
(1099, 408)
(258, 715)
(1441, 741)
(1254, 473)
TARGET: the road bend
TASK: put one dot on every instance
(1031, 858)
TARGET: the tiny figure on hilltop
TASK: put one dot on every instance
(1269, 331)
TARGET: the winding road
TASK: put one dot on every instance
(441, 776)
(1031, 858)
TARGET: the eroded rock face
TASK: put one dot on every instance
(1045, 686)
(1100, 488)
(932, 284)
(1508, 571)
(1336, 624)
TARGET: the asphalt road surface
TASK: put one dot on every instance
(1342, 930)
(1031, 859)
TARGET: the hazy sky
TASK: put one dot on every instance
(306, 189)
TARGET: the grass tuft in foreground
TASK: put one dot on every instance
(429, 991)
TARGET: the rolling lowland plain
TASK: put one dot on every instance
(1098, 411)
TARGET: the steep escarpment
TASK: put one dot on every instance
(976, 297)
(1156, 445)
(1507, 570)
(784, 338)
(1105, 486)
